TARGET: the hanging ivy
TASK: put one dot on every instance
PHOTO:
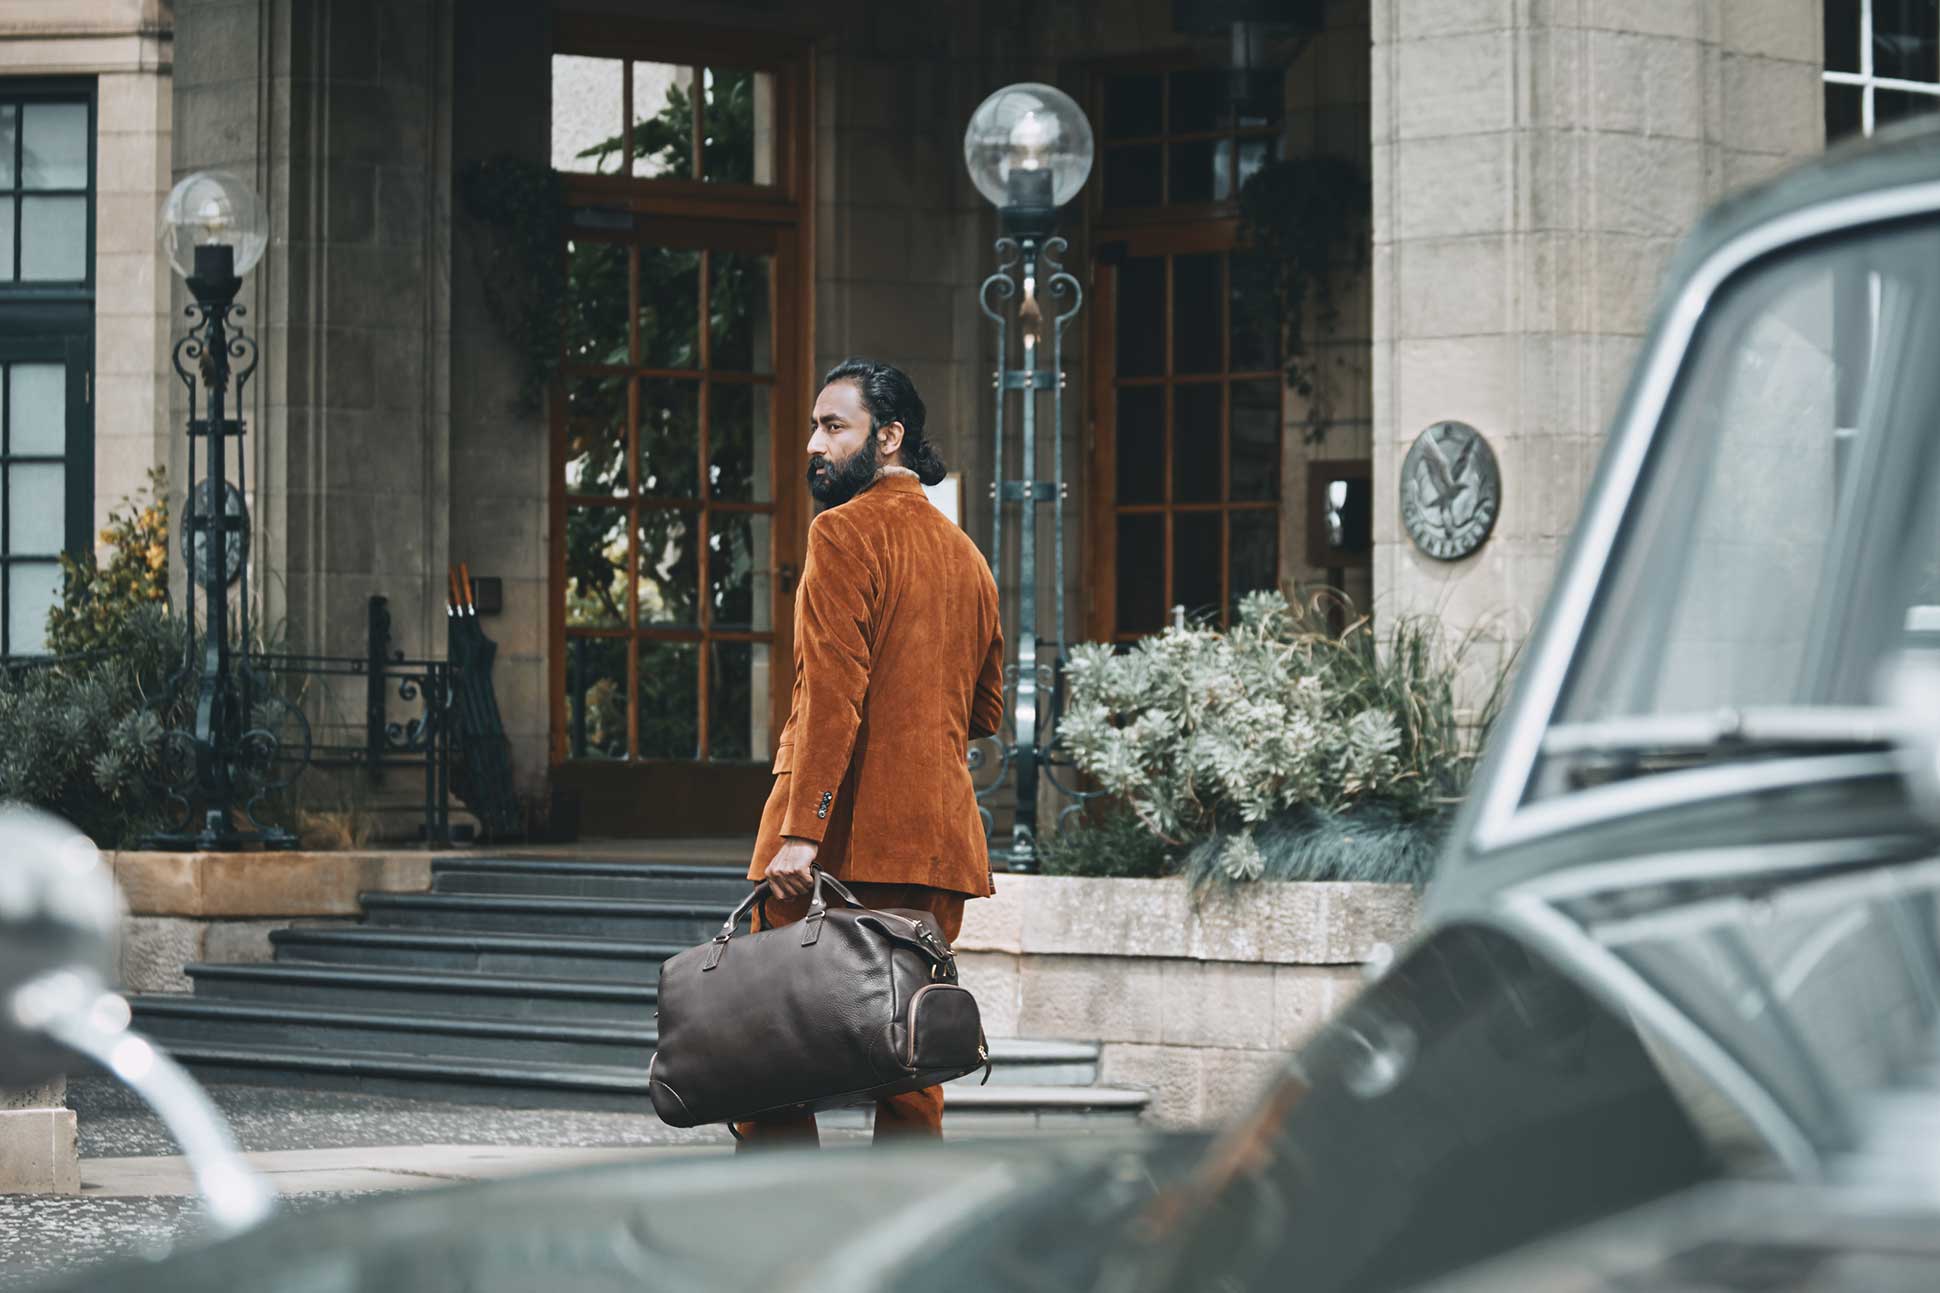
(1308, 217)
(520, 261)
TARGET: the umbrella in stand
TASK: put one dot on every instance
(485, 782)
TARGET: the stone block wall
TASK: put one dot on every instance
(185, 907)
(500, 454)
(339, 115)
(1197, 1002)
(1535, 165)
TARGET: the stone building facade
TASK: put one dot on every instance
(1526, 167)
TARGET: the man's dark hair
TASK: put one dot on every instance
(890, 396)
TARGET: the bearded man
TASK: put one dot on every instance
(898, 666)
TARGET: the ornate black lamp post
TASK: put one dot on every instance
(215, 229)
(1029, 151)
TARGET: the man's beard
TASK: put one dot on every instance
(837, 483)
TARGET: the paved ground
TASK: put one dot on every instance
(114, 1124)
(316, 1146)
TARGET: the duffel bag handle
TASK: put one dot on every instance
(817, 908)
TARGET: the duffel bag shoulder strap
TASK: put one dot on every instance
(910, 933)
(915, 934)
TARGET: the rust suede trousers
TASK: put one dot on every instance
(915, 1113)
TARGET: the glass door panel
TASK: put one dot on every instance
(668, 449)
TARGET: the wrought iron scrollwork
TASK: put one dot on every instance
(229, 741)
(1029, 273)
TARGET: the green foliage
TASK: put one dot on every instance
(97, 602)
(1308, 217)
(1371, 841)
(1117, 844)
(518, 262)
(75, 739)
(1269, 748)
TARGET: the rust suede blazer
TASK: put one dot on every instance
(898, 664)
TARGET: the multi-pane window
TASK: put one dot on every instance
(1882, 63)
(663, 121)
(46, 196)
(669, 497)
(1177, 138)
(46, 277)
(33, 497)
(1196, 393)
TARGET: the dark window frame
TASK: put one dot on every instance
(1228, 133)
(1852, 116)
(51, 320)
(19, 91)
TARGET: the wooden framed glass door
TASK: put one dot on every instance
(677, 508)
(670, 556)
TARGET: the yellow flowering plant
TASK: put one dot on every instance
(99, 598)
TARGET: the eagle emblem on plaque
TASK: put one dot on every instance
(1451, 490)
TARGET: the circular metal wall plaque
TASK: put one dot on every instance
(195, 544)
(1451, 490)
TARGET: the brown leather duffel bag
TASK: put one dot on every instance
(846, 1006)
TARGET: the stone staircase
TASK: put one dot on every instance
(531, 983)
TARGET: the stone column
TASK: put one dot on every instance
(37, 1145)
(501, 456)
(132, 376)
(338, 111)
(1535, 164)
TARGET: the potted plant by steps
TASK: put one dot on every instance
(1274, 750)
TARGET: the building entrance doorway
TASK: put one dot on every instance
(677, 505)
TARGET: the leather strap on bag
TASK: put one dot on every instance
(818, 908)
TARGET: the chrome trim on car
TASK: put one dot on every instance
(1697, 865)
(1520, 736)
(1528, 918)
(1798, 899)
(1662, 790)
(1752, 725)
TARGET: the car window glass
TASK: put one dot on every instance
(1723, 591)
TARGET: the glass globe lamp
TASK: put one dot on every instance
(214, 229)
(1029, 151)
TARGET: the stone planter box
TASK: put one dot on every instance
(38, 1152)
(185, 907)
(1197, 1003)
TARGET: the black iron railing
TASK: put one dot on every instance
(448, 725)
(419, 738)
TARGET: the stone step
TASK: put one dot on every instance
(558, 956)
(1029, 1062)
(993, 1109)
(654, 922)
(173, 1021)
(361, 988)
(553, 877)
